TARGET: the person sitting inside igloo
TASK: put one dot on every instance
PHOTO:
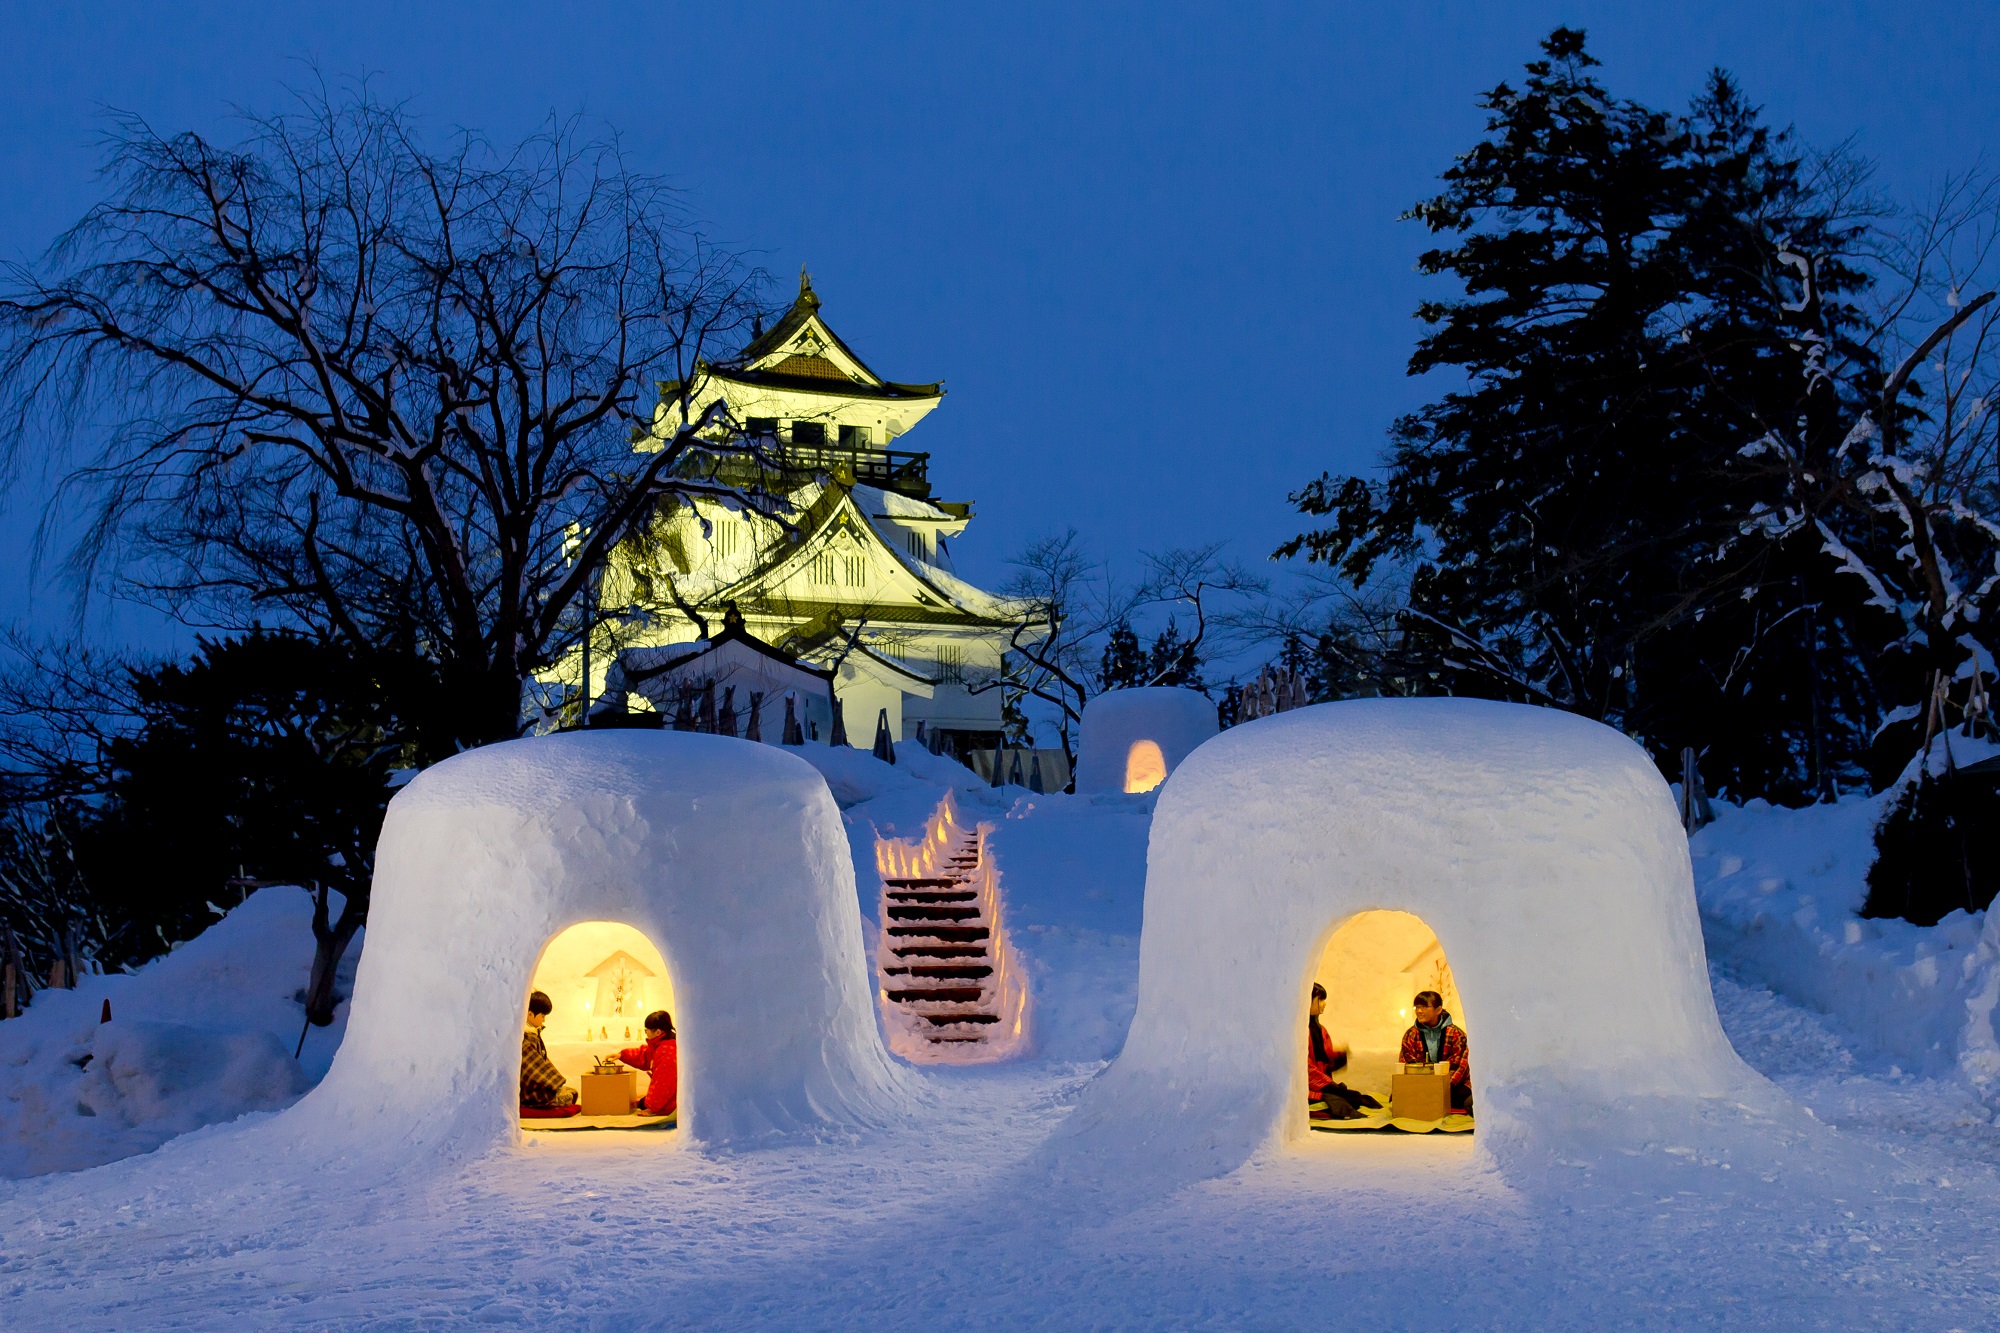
(1324, 1059)
(1435, 1039)
(659, 1058)
(543, 1087)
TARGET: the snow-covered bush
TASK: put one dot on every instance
(1935, 852)
(202, 1035)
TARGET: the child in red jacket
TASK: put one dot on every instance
(660, 1058)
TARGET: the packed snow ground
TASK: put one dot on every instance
(1877, 1204)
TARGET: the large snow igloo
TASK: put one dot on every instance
(726, 855)
(1542, 849)
(1133, 739)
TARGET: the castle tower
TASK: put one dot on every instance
(860, 585)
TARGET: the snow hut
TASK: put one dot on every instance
(1132, 739)
(727, 863)
(1542, 850)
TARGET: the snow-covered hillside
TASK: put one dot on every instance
(1781, 892)
(203, 1035)
(1873, 1200)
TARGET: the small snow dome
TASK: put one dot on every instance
(1369, 842)
(619, 872)
(1132, 739)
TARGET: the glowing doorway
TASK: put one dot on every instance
(603, 978)
(1145, 767)
(1372, 967)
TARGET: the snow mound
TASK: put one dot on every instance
(855, 776)
(728, 855)
(1781, 893)
(200, 1036)
(175, 1077)
(1542, 848)
(1173, 721)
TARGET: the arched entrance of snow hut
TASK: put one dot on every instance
(1373, 965)
(602, 978)
(1145, 767)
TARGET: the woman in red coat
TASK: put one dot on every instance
(1324, 1059)
(660, 1058)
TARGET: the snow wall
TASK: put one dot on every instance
(1174, 719)
(728, 855)
(1544, 850)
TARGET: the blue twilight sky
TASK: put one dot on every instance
(1152, 249)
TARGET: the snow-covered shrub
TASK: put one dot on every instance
(1935, 853)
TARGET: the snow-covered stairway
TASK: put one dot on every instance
(950, 990)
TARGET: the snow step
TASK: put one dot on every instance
(913, 896)
(944, 971)
(925, 881)
(939, 995)
(941, 951)
(969, 1016)
(942, 934)
(931, 912)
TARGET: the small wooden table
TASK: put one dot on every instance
(1421, 1096)
(609, 1094)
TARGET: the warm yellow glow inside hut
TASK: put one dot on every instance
(1372, 967)
(1145, 767)
(603, 977)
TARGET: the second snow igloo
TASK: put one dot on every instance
(727, 855)
(1544, 851)
(1132, 739)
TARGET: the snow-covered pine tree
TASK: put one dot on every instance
(1569, 514)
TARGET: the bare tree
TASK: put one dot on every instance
(331, 376)
(1072, 601)
(1197, 578)
(1909, 500)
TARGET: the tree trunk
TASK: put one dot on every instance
(329, 947)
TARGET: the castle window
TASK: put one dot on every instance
(951, 664)
(857, 571)
(854, 437)
(822, 567)
(762, 426)
(808, 432)
(727, 538)
(919, 544)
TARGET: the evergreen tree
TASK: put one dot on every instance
(1123, 665)
(268, 755)
(1173, 660)
(1574, 516)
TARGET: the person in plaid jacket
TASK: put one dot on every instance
(542, 1084)
(1435, 1040)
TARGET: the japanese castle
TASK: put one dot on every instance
(852, 597)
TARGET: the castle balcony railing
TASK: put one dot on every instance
(897, 470)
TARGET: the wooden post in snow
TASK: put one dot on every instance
(10, 978)
(1695, 809)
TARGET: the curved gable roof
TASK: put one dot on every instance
(801, 352)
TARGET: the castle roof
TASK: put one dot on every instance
(801, 354)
